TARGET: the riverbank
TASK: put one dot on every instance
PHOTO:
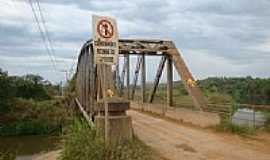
(29, 117)
(52, 155)
(26, 147)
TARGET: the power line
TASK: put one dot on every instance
(74, 62)
(47, 34)
(42, 34)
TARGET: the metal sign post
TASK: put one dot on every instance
(106, 51)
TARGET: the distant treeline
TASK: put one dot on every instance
(27, 87)
(243, 90)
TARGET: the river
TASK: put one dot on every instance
(27, 147)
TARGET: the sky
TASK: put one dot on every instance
(216, 37)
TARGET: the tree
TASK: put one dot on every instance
(7, 91)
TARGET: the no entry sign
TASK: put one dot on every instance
(105, 38)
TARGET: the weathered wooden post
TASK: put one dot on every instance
(111, 121)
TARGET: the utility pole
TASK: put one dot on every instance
(66, 74)
(61, 88)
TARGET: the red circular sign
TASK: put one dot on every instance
(105, 29)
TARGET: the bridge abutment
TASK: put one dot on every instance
(119, 123)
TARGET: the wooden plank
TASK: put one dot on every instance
(157, 78)
(143, 79)
(169, 82)
(105, 77)
(85, 115)
(122, 80)
(92, 79)
(87, 69)
(83, 80)
(117, 78)
(99, 81)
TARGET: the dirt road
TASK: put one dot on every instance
(176, 141)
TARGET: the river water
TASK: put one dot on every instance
(27, 147)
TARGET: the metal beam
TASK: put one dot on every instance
(188, 80)
(122, 78)
(117, 78)
(136, 75)
(143, 78)
(157, 78)
(147, 47)
(169, 82)
(128, 75)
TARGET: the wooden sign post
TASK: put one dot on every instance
(106, 51)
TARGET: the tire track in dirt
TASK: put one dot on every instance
(175, 141)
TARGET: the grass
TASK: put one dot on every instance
(82, 142)
(267, 123)
(7, 155)
(130, 150)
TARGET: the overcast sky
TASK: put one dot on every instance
(216, 37)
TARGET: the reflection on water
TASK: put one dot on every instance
(26, 147)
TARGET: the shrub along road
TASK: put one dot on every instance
(176, 141)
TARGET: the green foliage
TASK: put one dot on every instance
(25, 105)
(28, 128)
(180, 89)
(82, 142)
(7, 155)
(71, 87)
(243, 90)
(218, 98)
(227, 126)
(31, 87)
(7, 91)
(267, 123)
(131, 150)
(28, 117)
(27, 87)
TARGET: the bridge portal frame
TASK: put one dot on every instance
(88, 84)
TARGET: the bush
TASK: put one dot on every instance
(218, 98)
(28, 117)
(28, 128)
(82, 142)
(227, 126)
(6, 93)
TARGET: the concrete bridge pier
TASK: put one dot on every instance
(119, 123)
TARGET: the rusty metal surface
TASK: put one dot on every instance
(88, 85)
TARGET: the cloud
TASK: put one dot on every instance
(231, 35)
